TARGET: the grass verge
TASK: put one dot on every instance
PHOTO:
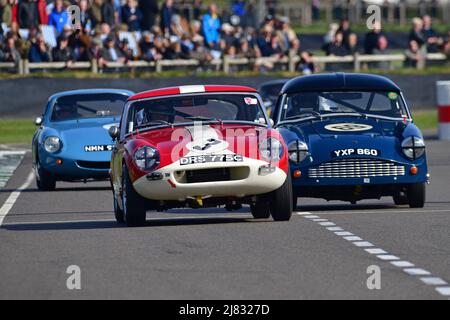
(20, 131)
(16, 131)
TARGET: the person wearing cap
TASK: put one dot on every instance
(62, 52)
(111, 53)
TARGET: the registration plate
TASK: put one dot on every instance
(211, 159)
(353, 152)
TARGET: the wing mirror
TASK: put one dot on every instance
(114, 132)
(38, 121)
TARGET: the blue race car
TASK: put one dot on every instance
(72, 142)
(351, 137)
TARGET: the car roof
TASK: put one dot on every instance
(173, 91)
(278, 82)
(339, 81)
(90, 91)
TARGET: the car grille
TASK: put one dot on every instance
(357, 168)
(212, 175)
(93, 164)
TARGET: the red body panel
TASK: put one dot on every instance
(171, 143)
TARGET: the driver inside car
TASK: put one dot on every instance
(66, 112)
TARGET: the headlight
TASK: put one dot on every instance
(413, 147)
(271, 150)
(146, 158)
(52, 144)
(298, 151)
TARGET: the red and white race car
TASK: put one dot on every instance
(198, 146)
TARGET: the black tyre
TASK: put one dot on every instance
(281, 203)
(120, 218)
(44, 180)
(133, 204)
(260, 210)
(400, 199)
(416, 195)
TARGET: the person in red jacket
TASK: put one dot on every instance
(43, 17)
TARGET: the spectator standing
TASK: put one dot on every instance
(95, 12)
(352, 44)
(109, 14)
(432, 40)
(59, 17)
(415, 57)
(42, 10)
(6, 11)
(150, 10)
(10, 53)
(39, 51)
(338, 48)
(344, 27)
(211, 27)
(167, 12)
(416, 33)
(85, 17)
(382, 48)
(28, 14)
(62, 52)
(132, 15)
(371, 40)
(111, 53)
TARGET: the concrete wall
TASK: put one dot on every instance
(27, 97)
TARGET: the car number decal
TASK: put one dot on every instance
(98, 148)
(352, 152)
(211, 159)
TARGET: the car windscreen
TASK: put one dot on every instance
(377, 103)
(192, 108)
(79, 106)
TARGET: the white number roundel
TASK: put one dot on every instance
(348, 127)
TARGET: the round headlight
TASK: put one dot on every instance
(146, 158)
(271, 150)
(413, 147)
(298, 151)
(52, 144)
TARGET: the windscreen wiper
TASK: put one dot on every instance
(153, 123)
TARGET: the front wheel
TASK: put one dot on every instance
(281, 204)
(44, 180)
(120, 218)
(132, 203)
(416, 195)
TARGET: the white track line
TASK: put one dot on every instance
(439, 284)
(9, 203)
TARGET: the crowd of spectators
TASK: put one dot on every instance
(180, 29)
(422, 39)
(166, 31)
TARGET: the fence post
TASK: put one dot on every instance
(94, 66)
(356, 62)
(226, 64)
(159, 66)
(26, 68)
(20, 66)
(292, 61)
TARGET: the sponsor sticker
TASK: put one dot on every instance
(251, 101)
(98, 148)
(393, 95)
(211, 159)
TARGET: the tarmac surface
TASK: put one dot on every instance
(329, 250)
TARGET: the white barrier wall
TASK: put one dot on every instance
(443, 104)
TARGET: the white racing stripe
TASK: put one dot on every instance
(9, 203)
(439, 284)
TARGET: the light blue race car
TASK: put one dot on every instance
(72, 142)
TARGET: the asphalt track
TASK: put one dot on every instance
(322, 253)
